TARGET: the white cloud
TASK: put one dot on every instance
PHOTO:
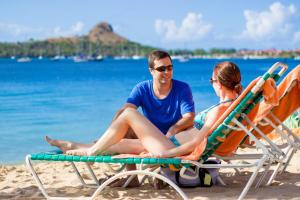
(78, 27)
(21, 32)
(269, 23)
(75, 29)
(192, 28)
(16, 30)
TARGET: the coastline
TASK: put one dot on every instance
(16, 182)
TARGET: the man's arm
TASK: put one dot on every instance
(184, 123)
(119, 112)
(187, 106)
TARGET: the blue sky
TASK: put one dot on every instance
(255, 24)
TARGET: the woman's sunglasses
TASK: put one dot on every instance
(164, 68)
(211, 80)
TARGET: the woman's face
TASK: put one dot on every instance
(215, 83)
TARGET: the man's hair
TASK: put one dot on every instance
(156, 55)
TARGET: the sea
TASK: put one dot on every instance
(77, 101)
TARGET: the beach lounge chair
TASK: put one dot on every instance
(228, 124)
(271, 117)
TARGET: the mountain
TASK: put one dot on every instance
(100, 40)
(102, 32)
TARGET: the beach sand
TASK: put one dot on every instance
(16, 182)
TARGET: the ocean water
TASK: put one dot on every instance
(76, 101)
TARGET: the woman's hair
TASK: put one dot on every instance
(229, 75)
(157, 55)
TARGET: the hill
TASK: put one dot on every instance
(101, 39)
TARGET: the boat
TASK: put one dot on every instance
(137, 57)
(98, 58)
(297, 58)
(79, 59)
(121, 57)
(183, 58)
(24, 59)
(58, 57)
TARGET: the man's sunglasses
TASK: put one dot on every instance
(164, 68)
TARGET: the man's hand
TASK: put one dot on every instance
(171, 132)
(187, 121)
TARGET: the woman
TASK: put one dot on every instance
(225, 80)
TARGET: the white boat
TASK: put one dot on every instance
(180, 58)
(137, 57)
(24, 59)
(183, 59)
(78, 59)
(297, 58)
(96, 59)
(57, 58)
(121, 57)
(99, 58)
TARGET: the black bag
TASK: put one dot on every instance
(203, 180)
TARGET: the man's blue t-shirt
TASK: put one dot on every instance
(163, 113)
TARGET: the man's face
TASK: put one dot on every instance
(162, 72)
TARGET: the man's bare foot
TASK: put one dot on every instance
(120, 182)
(62, 145)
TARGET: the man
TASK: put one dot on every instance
(166, 102)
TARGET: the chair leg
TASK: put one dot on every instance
(288, 160)
(252, 178)
(274, 174)
(40, 184)
(78, 174)
(139, 172)
(263, 176)
(221, 181)
(35, 176)
(92, 174)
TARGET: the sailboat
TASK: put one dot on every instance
(137, 56)
(58, 57)
(24, 59)
(14, 55)
(92, 56)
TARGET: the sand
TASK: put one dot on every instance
(16, 182)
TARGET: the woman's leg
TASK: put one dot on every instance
(150, 136)
(126, 146)
(66, 145)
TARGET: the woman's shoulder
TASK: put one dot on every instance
(218, 110)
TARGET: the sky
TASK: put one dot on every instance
(168, 24)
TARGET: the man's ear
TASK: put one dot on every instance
(150, 70)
